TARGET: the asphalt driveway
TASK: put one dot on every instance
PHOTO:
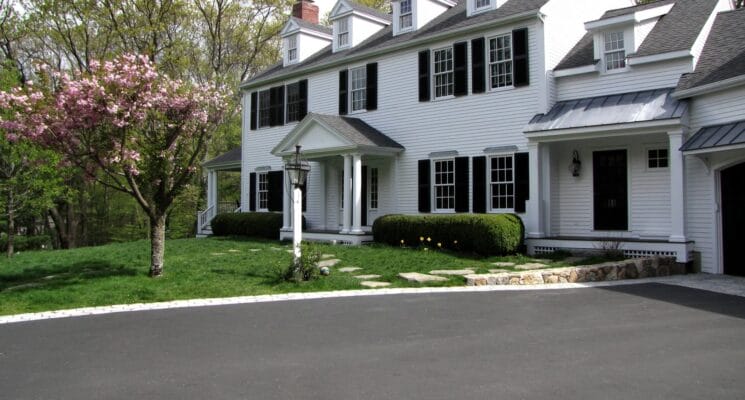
(649, 341)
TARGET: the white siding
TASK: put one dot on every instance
(637, 78)
(649, 190)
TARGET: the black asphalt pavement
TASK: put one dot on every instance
(648, 341)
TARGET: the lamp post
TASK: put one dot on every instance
(297, 170)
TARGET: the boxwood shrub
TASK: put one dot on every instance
(485, 234)
(251, 224)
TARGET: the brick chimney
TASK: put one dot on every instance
(305, 10)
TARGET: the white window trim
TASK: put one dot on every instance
(487, 59)
(259, 192)
(290, 40)
(350, 100)
(433, 188)
(489, 183)
(476, 8)
(647, 149)
(402, 28)
(433, 86)
(259, 111)
(348, 32)
(627, 49)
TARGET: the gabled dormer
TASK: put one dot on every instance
(619, 33)
(410, 15)
(302, 36)
(478, 6)
(353, 23)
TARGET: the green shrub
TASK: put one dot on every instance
(26, 243)
(251, 224)
(485, 234)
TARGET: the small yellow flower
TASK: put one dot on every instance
(439, 244)
(402, 241)
(429, 239)
(425, 249)
(455, 242)
(421, 238)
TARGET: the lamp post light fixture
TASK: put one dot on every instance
(297, 170)
(576, 166)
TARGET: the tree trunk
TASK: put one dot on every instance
(157, 244)
(11, 223)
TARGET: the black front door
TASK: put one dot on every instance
(610, 190)
(733, 219)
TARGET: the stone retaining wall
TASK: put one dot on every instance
(610, 271)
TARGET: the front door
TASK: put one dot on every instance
(610, 190)
(733, 219)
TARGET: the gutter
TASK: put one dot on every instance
(709, 88)
(401, 46)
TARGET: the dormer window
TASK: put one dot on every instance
(292, 49)
(483, 4)
(615, 51)
(342, 35)
(405, 17)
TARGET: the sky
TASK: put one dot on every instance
(324, 6)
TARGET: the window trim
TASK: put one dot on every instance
(262, 193)
(477, 8)
(292, 47)
(264, 111)
(351, 90)
(433, 74)
(489, 183)
(604, 52)
(650, 148)
(434, 185)
(346, 32)
(488, 62)
(401, 16)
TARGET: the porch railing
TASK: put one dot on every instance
(225, 207)
(205, 217)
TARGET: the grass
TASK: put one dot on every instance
(203, 268)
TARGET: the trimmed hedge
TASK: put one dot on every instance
(485, 234)
(251, 224)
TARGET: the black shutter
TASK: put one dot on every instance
(303, 94)
(275, 185)
(273, 106)
(364, 196)
(372, 87)
(424, 94)
(479, 184)
(478, 68)
(425, 194)
(254, 107)
(460, 69)
(461, 184)
(304, 198)
(522, 181)
(343, 92)
(252, 191)
(520, 57)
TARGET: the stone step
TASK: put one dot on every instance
(420, 278)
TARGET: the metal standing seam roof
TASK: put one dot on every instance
(355, 130)
(452, 19)
(675, 31)
(645, 106)
(229, 157)
(716, 136)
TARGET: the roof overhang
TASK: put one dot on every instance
(604, 131)
(710, 88)
(586, 69)
(716, 138)
(634, 17)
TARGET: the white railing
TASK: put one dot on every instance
(205, 217)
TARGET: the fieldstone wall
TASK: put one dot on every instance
(610, 271)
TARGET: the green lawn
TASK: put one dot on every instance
(200, 268)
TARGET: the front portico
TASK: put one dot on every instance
(343, 152)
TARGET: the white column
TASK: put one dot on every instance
(677, 188)
(297, 222)
(545, 182)
(347, 193)
(534, 210)
(357, 213)
(321, 172)
(286, 209)
(212, 189)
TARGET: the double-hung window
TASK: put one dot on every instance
(263, 191)
(405, 18)
(265, 117)
(444, 187)
(500, 61)
(502, 183)
(443, 72)
(292, 49)
(293, 102)
(342, 35)
(358, 84)
(482, 4)
(615, 52)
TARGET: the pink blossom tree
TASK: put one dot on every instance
(130, 128)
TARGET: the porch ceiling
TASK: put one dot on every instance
(630, 111)
(322, 135)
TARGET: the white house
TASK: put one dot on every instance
(568, 113)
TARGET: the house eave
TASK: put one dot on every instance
(587, 69)
(603, 131)
(673, 55)
(710, 88)
(392, 49)
(716, 149)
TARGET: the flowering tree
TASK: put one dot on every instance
(132, 129)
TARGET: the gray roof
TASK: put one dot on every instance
(309, 25)
(675, 31)
(716, 136)
(369, 10)
(649, 105)
(356, 131)
(451, 20)
(230, 157)
(723, 56)
(632, 9)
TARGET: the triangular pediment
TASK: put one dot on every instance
(340, 8)
(290, 27)
(314, 136)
